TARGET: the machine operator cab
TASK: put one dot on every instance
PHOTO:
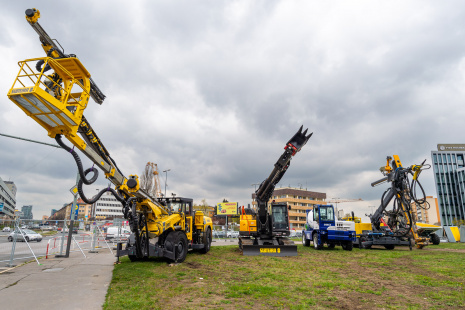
(280, 219)
(178, 204)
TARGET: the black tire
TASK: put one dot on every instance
(348, 246)
(389, 246)
(315, 242)
(331, 246)
(10, 238)
(133, 258)
(38, 240)
(363, 239)
(305, 241)
(207, 241)
(27, 238)
(435, 239)
(177, 241)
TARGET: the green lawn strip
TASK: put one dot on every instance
(319, 279)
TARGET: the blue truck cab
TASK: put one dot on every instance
(322, 227)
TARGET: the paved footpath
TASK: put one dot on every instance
(58, 283)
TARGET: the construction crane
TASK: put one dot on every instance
(161, 227)
(340, 200)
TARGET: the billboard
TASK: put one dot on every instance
(226, 208)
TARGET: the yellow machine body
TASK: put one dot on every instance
(248, 224)
(56, 101)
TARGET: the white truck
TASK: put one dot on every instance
(322, 227)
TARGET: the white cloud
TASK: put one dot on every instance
(213, 90)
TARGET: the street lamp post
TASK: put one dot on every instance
(166, 178)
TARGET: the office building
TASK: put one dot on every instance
(27, 212)
(299, 200)
(11, 185)
(449, 176)
(7, 199)
(107, 207)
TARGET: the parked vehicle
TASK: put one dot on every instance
(6, 229)
(218, 234)
(232, 234)
(75, 230)
(295, 234)
(25, 235)
(323, 228)
(117, 232)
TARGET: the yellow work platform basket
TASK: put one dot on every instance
(55, 100)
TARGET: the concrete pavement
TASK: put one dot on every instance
(58, 283)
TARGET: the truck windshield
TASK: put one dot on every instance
(326, 213)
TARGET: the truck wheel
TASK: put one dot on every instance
(435, 239)
(315, 242)
(207, 241)
(178, 241)
(348, 246)
(305, 241)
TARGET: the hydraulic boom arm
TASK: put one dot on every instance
(52, 50)
(265, 191)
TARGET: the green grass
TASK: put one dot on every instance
(432, 278)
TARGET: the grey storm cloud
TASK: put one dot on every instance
(213, 90)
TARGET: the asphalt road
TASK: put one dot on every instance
(49, 244)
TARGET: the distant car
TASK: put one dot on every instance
(232, 234)
(6, 229)
(218, 234)
(295, 234)
(44, 228)
(26, 235)
(117, 232)
(75, 230)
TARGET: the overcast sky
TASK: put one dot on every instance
(214, 89)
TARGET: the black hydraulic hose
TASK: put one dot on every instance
(41, 62)
(83, 178)
(78, 162)
(99, 194)
(39, 66)
(413, 191)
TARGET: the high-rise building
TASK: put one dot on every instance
(27, 212)
(7, 198)
(299, 200)
(449, 176)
